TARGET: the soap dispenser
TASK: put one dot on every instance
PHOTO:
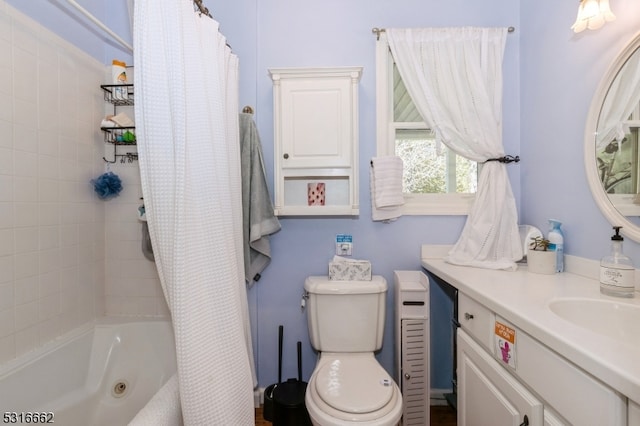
(617, 274)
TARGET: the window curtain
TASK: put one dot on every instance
(621, 100)
(454, 77)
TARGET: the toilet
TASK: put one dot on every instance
(346, 325)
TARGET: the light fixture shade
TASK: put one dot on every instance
(606, 11)
(592, 14)
(581, 23)
(591, 9)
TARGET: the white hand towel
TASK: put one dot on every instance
(387, 179)
(385, 175)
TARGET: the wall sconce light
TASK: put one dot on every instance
(592, 14)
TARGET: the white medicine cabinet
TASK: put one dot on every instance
(316, 141)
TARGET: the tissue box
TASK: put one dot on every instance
(356, 270)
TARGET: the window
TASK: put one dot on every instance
(436, 181)
(618, 168)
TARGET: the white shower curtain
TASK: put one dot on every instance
(454, 77)
(187, 131)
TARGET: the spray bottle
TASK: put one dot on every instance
(556, 238)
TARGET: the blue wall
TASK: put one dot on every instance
(550, 77)
(289, 33)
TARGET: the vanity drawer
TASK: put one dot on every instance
(476, 320)
(577, 396)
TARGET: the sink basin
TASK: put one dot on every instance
(606, 317)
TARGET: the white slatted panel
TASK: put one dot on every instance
(415, 376)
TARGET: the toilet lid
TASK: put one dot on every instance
(354, 385)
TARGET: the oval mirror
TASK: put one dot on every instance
(612, 151)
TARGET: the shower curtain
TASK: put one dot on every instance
(187, 131)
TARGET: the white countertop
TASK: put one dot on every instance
(522, 298)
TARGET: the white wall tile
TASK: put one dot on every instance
(48, 167)
(6, 242)
(25, 189)
(26, 214)
(25, 74)
(48, 284)
(25, 265)
(26, 340)
(26, 239)
(48, 237)
(48, 191)
(49, 260)
(6, 161)
(6, 215)
(6, 322)
(48, 144)
(7, 348)
(6, 187)
(26, 290)
(7, 269)
(6, 295)
(26, 315)
(26, 163)
(6, 127)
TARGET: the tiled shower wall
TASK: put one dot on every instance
(51, 226)
(132, 283)
(58, 266)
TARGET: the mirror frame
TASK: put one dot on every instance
(616, 218)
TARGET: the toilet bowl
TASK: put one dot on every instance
(346, 326)
(352, 389)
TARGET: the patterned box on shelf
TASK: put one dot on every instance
(315, 194)
(351, 270)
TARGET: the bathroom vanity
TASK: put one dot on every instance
(543, 349)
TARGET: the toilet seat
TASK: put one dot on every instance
(352, 388)
(354, 384)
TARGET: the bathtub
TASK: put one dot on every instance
(100, 374)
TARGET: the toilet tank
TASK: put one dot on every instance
(346, 316)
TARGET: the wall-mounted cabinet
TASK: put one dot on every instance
(316, 141)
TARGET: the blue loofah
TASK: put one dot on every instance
(107, 185)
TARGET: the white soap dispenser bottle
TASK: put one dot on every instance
(617, 274)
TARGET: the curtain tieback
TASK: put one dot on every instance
(506, 159)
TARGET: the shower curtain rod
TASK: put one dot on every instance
(201, 8)
(102, 26)
(377, 31)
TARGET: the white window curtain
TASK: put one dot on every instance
(621, 100)
(454, 77)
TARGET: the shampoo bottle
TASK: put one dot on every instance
(556, 238)
(617, 274)
(119, 76)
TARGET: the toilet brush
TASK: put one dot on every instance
(267, 412)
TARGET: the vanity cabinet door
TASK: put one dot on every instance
(487, 394)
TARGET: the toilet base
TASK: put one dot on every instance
(322, 414)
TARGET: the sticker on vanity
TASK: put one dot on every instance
(505, 342)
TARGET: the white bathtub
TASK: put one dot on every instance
(99, 374)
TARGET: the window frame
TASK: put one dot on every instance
(415, 204)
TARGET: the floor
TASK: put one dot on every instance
(441, 415)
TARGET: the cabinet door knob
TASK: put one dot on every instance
(407, 376)
(286, 156)
(468, 316)
(525, 421)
